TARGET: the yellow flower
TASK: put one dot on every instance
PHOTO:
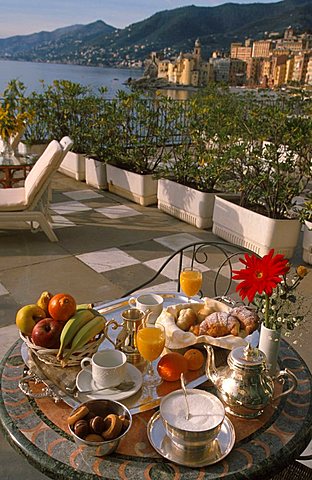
(301, 271)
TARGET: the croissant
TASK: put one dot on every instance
(219, 324)
(248, 318)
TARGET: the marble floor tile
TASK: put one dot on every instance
(3, 290)
(59, 222)
(106, 260)
(118, 211)
(170, 270)
(63, 208)
(177, 240)
(82, 194)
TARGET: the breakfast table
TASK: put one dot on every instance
(260, 447)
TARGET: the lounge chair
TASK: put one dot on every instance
(21, 207)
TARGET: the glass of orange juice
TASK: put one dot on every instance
(191, 280)
(150, 340)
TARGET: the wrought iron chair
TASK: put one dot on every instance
(217, 260)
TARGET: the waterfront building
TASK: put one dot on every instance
(240, 51)
(188, 69)
(262, 48)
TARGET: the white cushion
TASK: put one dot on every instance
(45, 166)
(12, 199)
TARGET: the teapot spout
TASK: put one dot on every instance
(210, 369)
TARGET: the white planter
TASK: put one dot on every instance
(254, 231)
(141, 189)
(73, 165)
(96, 173)
(307, 243)
(269, 344)
(185, 203)
(35, 149)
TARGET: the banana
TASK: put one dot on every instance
(86, 333)
(72, 326)
(84, 306)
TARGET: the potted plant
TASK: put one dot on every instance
(200, 163)
(271, 162)
(137, 143)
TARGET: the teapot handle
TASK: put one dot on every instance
(283, 374)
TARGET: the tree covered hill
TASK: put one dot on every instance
(168, 31)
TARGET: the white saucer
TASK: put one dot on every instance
(84, 382)
(215, 451)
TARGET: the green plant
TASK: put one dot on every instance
(304, 210)
(139, 132)
(272, 155)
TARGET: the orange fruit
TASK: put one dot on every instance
(195, 359)
(171, 365)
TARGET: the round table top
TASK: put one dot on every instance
(263, 446)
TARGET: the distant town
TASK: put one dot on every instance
(269, 63)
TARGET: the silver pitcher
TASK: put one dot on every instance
(132, 318)
(244, 386)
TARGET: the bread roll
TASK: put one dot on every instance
(186, 318)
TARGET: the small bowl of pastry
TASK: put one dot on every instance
(211, 322)
(99, 425)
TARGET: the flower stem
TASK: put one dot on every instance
(266, 314)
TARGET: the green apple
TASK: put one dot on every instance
(27, 317)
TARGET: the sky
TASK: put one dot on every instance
(22, 17)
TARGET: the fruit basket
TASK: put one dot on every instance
(177, 338)
(48, 355)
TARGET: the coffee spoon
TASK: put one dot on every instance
(122, 387)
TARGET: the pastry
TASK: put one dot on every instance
(219, 324)
(112, 427)
(248, 318)
(81, 428)
(186, 318)
(93, 437)
(78, 414)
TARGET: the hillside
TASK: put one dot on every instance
(168, 31)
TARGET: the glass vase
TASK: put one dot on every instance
(269, 344)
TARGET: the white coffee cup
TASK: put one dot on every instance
(148, 302)
(107, 367)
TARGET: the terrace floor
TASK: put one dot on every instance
(106, 246)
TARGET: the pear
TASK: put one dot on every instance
(43, 301)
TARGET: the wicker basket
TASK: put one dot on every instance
(48, 355)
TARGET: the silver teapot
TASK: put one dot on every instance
(244, 386)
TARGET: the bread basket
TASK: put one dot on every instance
(48, 356)
(177, 339)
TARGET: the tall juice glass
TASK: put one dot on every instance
(150, 340)
(191, 281)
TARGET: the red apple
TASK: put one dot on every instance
(46, 333)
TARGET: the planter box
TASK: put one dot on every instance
(254, 231)
(141, 189)
(96, 173)
(185, 203)
(73, 165)
(35, 149)
(307, 243)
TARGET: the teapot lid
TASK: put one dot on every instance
(247, 357)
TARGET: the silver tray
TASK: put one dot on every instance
(144, 399)
(214, 452)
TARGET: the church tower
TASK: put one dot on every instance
(197, 53)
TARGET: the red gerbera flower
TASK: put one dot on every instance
(260, 275)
